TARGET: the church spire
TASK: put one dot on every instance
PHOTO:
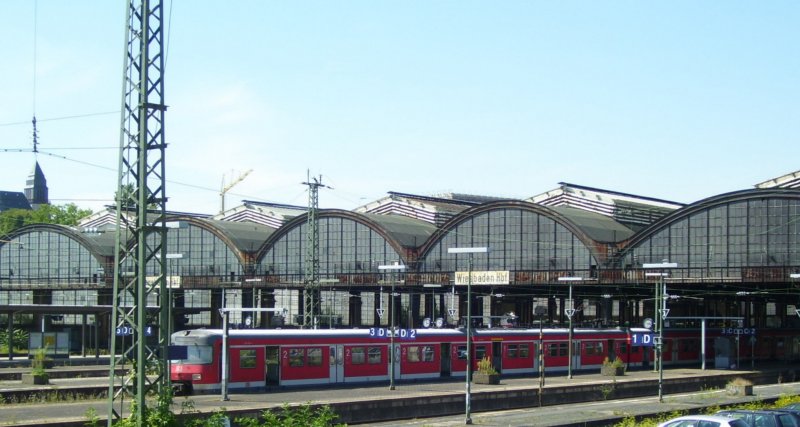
(36, 187)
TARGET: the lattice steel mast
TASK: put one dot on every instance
(140, 255)
(311, 279)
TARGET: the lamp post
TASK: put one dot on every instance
(661, 314)
(393, 267)
(570, 312)
(170, 286)
(795, 276)
(469, 252)
(541, 311)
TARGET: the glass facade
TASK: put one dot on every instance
(725, 240)
(519, 240)
(345, 246)
(736, 239)
(194, 251)
(48, 258)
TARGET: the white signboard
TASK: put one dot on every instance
(483, 277)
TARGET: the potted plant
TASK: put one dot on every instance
(739, 387)
(38, 374)
(612, 368)
(486, 373)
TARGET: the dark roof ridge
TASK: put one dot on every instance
(619, 193)
(433, 198)
(273, 204)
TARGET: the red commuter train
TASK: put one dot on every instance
(258, 358)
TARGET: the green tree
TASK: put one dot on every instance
(68, 214)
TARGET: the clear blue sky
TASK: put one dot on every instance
(678, 100)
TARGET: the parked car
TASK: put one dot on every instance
(703, 421)
(764, 418)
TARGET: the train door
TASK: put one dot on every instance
(444, 355)
(336, 361)
(676, 345)
(397, 361)
(612, 350)
(497, 356)
(273, 363)
(576, 354)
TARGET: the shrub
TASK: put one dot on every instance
(302, 416)
(617, 363)
(739, 381)
(19, 339)
(485, 366)
(38, 362)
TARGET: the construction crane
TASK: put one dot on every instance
(225, 188)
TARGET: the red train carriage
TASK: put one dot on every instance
(294, 357)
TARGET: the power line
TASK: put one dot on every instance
(53, 119)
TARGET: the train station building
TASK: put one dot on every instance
(599, 253)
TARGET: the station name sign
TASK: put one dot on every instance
(483, 277)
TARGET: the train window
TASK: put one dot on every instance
(512, 350)
(296, 357)
(314, 357)
(524, 351)
(593, 348)
(247, 359)
(461, 352)
(374, 355)
(557, 349)
(427, 353)
(357, 355)
(480, 352)
(196, 355)
(623, 347)
(412, 354)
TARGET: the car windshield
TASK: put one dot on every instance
(196, 355)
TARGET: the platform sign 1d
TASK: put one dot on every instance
(643, 339)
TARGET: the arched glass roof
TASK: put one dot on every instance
(735, 235)
(523, 237)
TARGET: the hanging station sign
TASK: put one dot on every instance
(483, 278)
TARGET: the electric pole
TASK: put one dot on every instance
(139, 340)
(311, 279)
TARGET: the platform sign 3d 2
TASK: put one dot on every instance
(643, 339)
(407, 334)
